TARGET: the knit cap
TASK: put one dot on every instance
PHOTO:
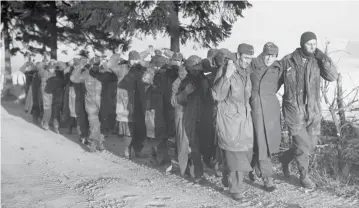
(307, 36)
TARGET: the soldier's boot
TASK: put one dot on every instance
(238, 196)
(269, 184)
(255, 174)
(217, 171)
(252, 176)
(140, 154)
(83, 140)
(69, 129)
(92, 146)
(304, 178)
(45, 125)
(225, 179)
(56, 126)
(115, 129)
(35, 119)
(46, 119)
(100, 146)
(153, 158)
(127, 152)
(285, 160)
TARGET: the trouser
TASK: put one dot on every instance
(303, 145)
(139, 133)
(112, 122)
(82, 121)
(47, 103)
(73, 123)
(235, 181)
(104, 123)
(209, 153)
(162, 147)
(263, 168)
(56, 111)
(94, 122)
(234, 166)
(195, 164)
(36, 114)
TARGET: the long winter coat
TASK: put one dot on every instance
(127, 85)
(47, 96)
(187, 117)
(301, 99)
(93, 90)
(265, 108)
(234, 127)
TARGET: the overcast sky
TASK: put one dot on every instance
(281, 22)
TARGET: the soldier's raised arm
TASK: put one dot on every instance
(222, 83)
(77, 75)
(327, 68)
(178, 97)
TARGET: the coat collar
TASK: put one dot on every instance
(298, 58)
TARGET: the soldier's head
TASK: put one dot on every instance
(158, 61)
(177, 59)
(82, 63)
(245, 54)
(134, 58)
(40, 65)
(113, 61)
(308, 42)
(148, 75)
(270, 53)
(210, 55)
(194, 65)
(182, 72)
(51, 66)
(222, 56)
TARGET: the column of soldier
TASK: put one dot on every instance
(222, 110)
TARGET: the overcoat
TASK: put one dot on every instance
(265, 108)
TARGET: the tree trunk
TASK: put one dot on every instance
(174, 28)
(340, 101)
(8, 79)
(53, 30)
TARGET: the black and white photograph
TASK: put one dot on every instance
(179, 104)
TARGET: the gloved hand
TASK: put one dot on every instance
(319, 55)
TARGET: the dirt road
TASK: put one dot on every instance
(43, 169)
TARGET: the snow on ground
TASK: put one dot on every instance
(43, 169)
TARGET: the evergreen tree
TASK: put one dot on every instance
(151, 18)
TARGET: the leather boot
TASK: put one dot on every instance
(269, 184)
(56, 126)
(285, 160)
(92, 146)
(304, 178)
(127, 152)
(83, 140)
(45, 125)
(140, 154)
(69, 130)
(217, 171)
(252, 176)
(100, 141)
